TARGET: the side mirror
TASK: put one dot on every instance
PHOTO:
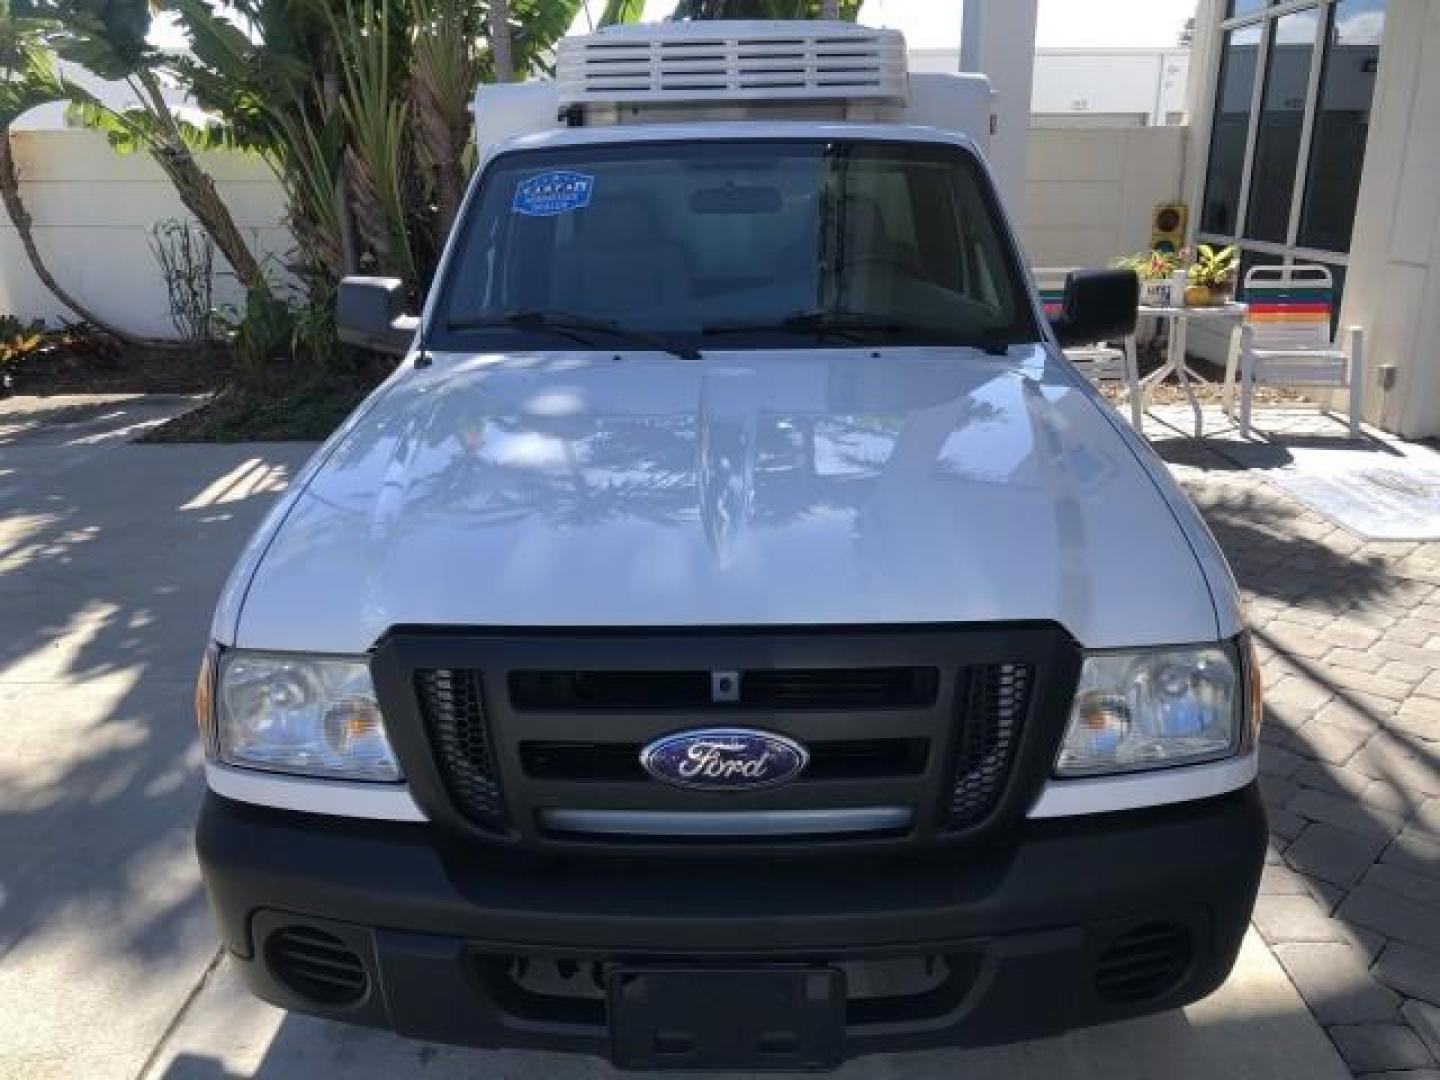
(370, 313)
(1099, 305)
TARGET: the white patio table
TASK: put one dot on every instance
(1178, 319)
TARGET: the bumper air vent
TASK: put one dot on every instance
(994, 709)
(316, 966)
(1144, 963)
(454, 712)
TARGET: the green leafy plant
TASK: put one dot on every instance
(261, 335)
(1153, 265)
(362, 109)
(1215, 269)
(312, 334)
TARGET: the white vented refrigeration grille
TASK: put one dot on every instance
(715, 62)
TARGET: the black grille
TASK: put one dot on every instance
(316, 965)
(517, 724)
(1144, 962)
(799, 688)
(995, 705)
(856, 759)
(454, 712)
(840, 688)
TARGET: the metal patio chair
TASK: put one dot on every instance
(1285, 340)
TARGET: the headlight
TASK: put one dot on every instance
(1152, 708)
(310, 715)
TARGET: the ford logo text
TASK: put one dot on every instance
(724, 759)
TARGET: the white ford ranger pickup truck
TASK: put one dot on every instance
(735, 636)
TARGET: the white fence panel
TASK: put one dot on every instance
(93, 211)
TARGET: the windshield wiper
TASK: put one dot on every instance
(850, 325)
(581, 328)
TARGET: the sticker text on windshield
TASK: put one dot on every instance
(553, 193)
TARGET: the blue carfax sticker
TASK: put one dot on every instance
(553, 193)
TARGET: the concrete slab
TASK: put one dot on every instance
(1254, 1028)
(84, 419)
(110, 559)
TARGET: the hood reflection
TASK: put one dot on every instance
(837, 486)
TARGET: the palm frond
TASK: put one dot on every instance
(32, 81)
(377, 159)
(622, 11)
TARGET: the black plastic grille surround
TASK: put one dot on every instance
(453, 708)
(989, 730)
(498, 731)
(776, 688)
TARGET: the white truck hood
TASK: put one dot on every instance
(748, 488)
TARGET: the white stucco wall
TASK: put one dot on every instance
(93, 210)
(1089, 192)
(1393, 287)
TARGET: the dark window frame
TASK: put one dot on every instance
(1291, 249)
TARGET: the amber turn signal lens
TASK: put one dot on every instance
(1254, 690)
(205, 698)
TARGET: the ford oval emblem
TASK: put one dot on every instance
(724, 759)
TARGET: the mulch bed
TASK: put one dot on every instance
(291, 403)
(100, 366)
(297, 409)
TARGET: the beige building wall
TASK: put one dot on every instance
(1394, 283)
(1089, 192)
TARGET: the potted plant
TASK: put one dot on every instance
(1156, 270)
(1212, 276)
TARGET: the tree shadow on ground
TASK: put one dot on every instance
(109, 568)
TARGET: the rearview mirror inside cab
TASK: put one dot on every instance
(1099, 305)
(370, 313)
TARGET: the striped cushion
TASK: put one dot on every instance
(1271, 305)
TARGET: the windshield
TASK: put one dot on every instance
(734, 244)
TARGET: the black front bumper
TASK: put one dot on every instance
(1028, 928)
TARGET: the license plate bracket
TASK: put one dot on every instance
(730, 1018)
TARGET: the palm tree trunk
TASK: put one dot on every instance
(197, 191)
(500, 49)
(25, 229)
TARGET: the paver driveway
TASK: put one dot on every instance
(1349, 633)
(110, 557)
